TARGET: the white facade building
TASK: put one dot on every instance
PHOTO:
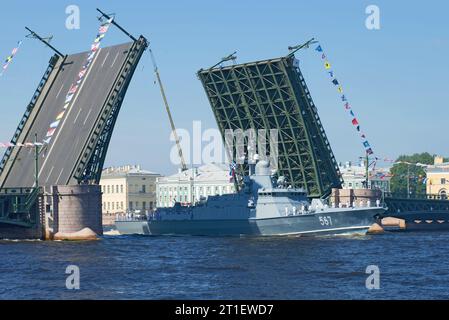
(189, 186)
(354, 177)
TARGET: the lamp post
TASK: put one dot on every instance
(408, 172)
(36, 162)
(367, 166)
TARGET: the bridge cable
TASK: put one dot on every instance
(167, 108)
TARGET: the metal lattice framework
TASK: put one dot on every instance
(272, 94)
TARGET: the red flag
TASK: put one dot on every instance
(355, 122)
(73, 89)
(103, 29)
(95, 47)
(50, 132)
(82, 73)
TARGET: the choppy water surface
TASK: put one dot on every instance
(412, 266)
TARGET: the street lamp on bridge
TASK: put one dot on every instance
(418, 164)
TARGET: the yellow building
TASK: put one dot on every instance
(128, 189)
(437, 181)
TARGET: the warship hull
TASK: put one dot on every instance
(347, 221)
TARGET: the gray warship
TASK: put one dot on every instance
(262, 207)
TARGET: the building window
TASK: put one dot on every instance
(109, 206)
(116, 189)
(121, 188)
(109, 189)
(144, 205)
(121, 205)
(131, 205)
(144, 189)
(443, 180)
(151, 205)
(443, 194)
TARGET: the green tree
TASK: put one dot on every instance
(416, 174)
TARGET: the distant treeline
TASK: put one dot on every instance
(415, 173)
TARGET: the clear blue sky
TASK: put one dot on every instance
(396, 78)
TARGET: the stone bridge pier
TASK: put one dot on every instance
(73, 212)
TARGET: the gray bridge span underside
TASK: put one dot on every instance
(87, 123)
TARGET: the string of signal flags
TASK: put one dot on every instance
(104, 27)
(10, 58)
(347, 106)
(96, 45)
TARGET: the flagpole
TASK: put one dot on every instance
(36, 36)
(294, 49)
(36, 162)
(232, 57)
(367, 170)
(408, 180)
(117, 25)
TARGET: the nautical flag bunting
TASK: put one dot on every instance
(344, 99)
(75, 87)
(10, 58)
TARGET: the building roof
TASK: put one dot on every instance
(126, 171)
(439, 168)
(359, 172)
(209, 172)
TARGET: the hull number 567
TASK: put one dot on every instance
(325, 220)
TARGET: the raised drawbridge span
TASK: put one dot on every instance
(77, 151)
(272, 94)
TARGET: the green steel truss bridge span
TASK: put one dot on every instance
(272, 94)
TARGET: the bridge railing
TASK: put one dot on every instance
(415, 196)
(19, 205)
(16, 191)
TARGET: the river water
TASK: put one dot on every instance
(411, 266)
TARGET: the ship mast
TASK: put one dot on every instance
(167, 108)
